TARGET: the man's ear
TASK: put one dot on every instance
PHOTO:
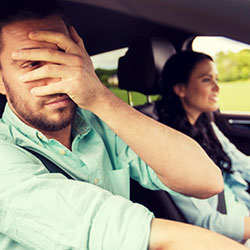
(180, 89)
(2, 87)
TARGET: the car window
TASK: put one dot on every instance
(232, 59)
(106, 65)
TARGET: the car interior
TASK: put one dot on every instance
(143, 63)
(109, 25)
(153, 30)
(151, 38)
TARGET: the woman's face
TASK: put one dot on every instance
(200, 94)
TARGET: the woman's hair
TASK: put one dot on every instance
(170, 110)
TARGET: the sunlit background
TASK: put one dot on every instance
(234, 94)
(209, 45)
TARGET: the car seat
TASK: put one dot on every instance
(139, 70)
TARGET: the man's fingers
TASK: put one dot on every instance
(50, 89)
(47, 55)
(62, 41)
(76, 38)
(47, 71)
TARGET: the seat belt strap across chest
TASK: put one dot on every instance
(221, 203)
(52, 167)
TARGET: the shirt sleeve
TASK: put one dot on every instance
(42, 211)
(123, 155)
(139, 170)
(200, 212)
(240, 161)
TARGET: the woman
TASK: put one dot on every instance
(190, 90)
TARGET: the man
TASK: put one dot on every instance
(58, 107)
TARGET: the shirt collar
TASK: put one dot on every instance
(80, 125)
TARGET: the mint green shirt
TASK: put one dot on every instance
(44, 211)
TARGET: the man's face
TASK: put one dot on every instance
(48, 113)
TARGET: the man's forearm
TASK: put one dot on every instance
(179, 161)
(247, 228)
(179, 236)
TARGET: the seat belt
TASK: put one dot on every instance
(52, 167)
(221, 203)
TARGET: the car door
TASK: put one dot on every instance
(236, 127)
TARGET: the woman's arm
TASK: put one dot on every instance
(240, 161)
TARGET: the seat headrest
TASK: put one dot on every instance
(140, 68)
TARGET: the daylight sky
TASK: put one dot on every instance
(209, 45)
(213, 45)
(108, 60)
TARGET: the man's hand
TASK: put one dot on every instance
(69, 63)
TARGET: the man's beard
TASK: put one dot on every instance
(39, 120)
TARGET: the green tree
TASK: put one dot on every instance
(233, 66)
(105, 74)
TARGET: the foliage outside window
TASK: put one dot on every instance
(233, 66)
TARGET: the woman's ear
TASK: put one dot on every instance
(2, 87)
(179, 89)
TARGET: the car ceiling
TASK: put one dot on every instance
(110, 24)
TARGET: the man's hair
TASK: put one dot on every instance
(13, 11)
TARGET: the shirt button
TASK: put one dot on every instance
(40, 136)
(96, 181)
(62, 152)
